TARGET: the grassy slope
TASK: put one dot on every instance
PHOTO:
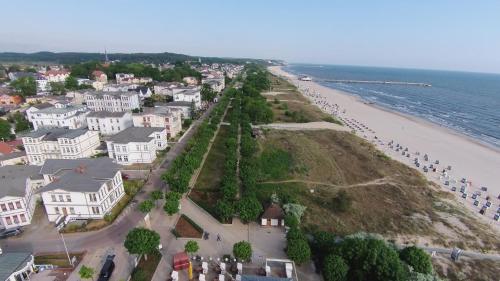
(388, 197)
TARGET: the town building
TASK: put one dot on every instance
(166, 88)
(57, 75)
(142, 91)
(185, 107)
(137, 145)
(120, 77)
(80, 189)
(59, 143)
(17, 195)
(190, 80)
(10, 99)
(189, 95)
(160, 117)
(16, 266)
(13, 76)
(60, 115)
(118, 87)
(10, 154)
(109, 123)
(100, 76)
(112, 101)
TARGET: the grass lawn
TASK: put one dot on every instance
(146, 268)
(206, 189)
(187, 228)
(386, 196)
(58, 259)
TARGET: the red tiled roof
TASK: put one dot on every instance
(5, 148)
(274, 211)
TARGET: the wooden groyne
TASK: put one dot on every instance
(379, 82)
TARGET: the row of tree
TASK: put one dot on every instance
(182, 168)
(254, 104)
(229, 184)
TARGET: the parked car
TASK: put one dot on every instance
(474, 196)
(454, 188)
(476, 203)
(10, 232)
(488, 204)
(496, 217)
(484, 188)
(107, 268)
(464, 195)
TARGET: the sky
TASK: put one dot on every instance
(429, 34)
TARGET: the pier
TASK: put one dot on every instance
(380, 82)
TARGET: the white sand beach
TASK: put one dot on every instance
(477, 163)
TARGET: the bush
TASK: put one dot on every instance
(146, 206)
(341, 202)
(172, 202)
(335, 268)
(291, 221)
(139, 275)
(224, 210)
(417, 258)
(242, 251)
(249, 208)
(295, 233)
(191, 247)
(298, 250)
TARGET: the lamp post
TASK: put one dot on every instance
(65, 247)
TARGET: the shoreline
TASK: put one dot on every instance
(469, 157)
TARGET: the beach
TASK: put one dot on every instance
(406, 138)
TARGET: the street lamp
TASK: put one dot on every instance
(64, 244)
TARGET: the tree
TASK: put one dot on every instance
(249, 208)
(341, 202)
(5, 133)
(157, 195)
(224, 210)
(242, 250)
(21, 123)
(172, 202)
(291, 221)
(86, 272)
(149, 102)
(57, 88)
(25, 85)
(298, 250)
(334, 268)
(71, 83)
(146, 206)
(191, 247)
(295, 233)
(417, 258)
(142, 241)
(207, 93)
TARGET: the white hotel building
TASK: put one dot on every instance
(137, 145)
(81, 188)
(57, 116)
(112, 101)
(109, 123)
(17, 195)
(59, 143)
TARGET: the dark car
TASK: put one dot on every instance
(10, 232)
(107, 269)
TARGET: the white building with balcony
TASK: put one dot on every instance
(18, 194)
(161, 117)
(58, 116)
(137, 145)
(112, 101)
(81, 188)
(109, 123)
(189, 95)
(59, 143)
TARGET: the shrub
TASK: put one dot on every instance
(341, 202)
(335, 268)
(298, 250)
(191, 247)
(242, 250)
(417, 258)
(249, 208)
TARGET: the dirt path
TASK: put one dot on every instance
(380, 181)
(304, 126)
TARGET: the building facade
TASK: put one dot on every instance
(17, 195)
(59, 143)
(57, 116)
(137, 145)
(189, 95)
(109, 123)
(161, 117)
(112, 101)
(81, 188)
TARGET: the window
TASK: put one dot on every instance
(8, 220)
(145, 147)
(56, 209)
(4, 207)
(109, 187)
(61, 198)
(119, 158)
(23, 217)
(92, 197)
(18, 204)
(16, 219)
(72, 210)
(125, 158)
(138, 147)
(11, 206)
(95, 210)
(68, 198)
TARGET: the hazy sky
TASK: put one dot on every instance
(435, 34)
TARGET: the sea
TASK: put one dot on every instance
(466, 102)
